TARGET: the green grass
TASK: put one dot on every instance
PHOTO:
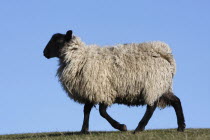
(163, 134)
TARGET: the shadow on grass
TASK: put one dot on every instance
(191, 133)
(51, 134)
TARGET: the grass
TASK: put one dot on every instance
(162, 134)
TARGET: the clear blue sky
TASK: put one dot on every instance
(32, 100)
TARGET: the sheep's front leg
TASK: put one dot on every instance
(148, 114)
(87, 109)
(115, 124)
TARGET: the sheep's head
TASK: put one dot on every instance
(56, 43)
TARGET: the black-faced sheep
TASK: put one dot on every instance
(129, 74)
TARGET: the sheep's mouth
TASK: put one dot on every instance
(47, 56)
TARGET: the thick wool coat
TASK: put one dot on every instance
(130, 74)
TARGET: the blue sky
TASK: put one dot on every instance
(32, 100)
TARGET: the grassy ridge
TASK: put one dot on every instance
(164, 134)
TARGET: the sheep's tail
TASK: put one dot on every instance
(169, 57)
(165, 52)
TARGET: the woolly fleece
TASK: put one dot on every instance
(127, 72)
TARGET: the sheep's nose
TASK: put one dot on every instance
(45, 53)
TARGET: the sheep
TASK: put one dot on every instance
(130, 74)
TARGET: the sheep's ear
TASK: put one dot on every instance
(68, 35)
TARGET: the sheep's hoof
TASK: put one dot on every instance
(135, 132)
(181, 128)
(123, 127)
(138, 130)
(84, 132)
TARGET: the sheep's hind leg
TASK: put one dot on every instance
(176, 103)
(148, 114)
(87, 109)
(115, 124)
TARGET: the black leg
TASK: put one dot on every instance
(115, 124)
(176, 103)
(87, 109)
(146, 118)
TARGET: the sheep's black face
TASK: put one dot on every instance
(56, 43)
